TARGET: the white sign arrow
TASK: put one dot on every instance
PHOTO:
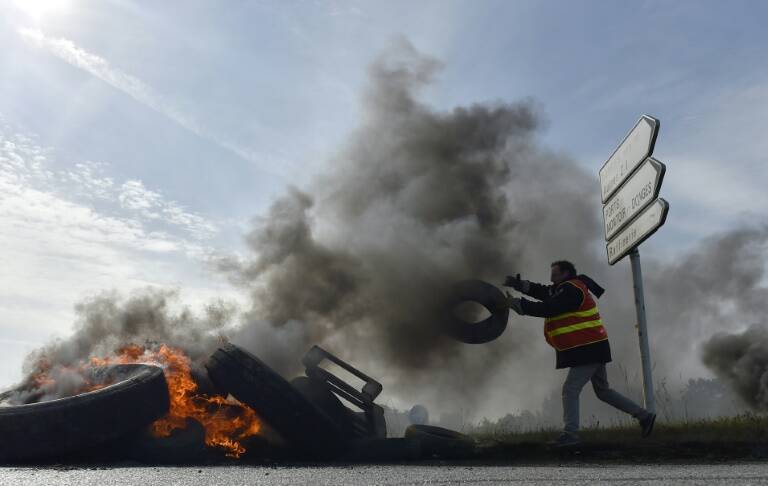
(633, 196)
(642, 227)
(636, 146)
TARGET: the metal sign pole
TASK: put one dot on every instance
(642, 331)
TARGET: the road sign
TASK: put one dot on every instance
(643, 226)
(637, 192)
(636, 146)
(629, 184)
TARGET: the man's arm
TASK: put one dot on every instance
(567, 298)
(538, 291)
(531, 289)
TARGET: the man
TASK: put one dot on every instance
(573, 327)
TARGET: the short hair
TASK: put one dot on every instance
(565, 265)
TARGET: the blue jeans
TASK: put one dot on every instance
(578, 376)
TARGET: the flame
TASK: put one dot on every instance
(40, 378)
(43, 381)
(226, 421)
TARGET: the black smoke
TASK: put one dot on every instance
(741, 360)
(738, 353)
(108, 322)
(415, 201)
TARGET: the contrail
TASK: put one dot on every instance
(134, 87)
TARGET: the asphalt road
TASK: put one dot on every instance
(750, 473)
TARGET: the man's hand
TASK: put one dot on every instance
(517, 283)
(513, 303)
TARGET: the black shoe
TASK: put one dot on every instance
(565, 440)
(646, 424)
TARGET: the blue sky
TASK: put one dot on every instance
(138, 138)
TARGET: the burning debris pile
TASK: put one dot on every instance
(142, 329)
(226, 421)
(306, 413)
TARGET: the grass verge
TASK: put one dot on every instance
(743, 437)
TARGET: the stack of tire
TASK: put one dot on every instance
(308, 416)
(313, 421)
(305, 426)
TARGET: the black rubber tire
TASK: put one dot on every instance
(183, 446)
(487, 295)
(385, 450)
(304, 426)
(323, 398)
(440, 442)
(64, 426)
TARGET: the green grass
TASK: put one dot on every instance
(743, 437)
(741, 428)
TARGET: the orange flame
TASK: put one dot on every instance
(226, 421)
(40, 377)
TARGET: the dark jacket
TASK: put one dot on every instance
(557, 299)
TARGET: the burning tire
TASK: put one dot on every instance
(437, 441)
(389, 450)
(183, 446)
(136, 397)
(248, 379)
(490, 297)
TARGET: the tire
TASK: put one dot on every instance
(304, 426)
(487, 295)
(385, 450)
(183, 446)
(323, 398)
(440, 442)
(66, 425)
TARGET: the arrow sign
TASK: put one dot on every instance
(642, 227)
(636, 146)
(637, 192)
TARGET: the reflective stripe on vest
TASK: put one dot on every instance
(578, 328)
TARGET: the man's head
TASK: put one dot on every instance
(561, 271)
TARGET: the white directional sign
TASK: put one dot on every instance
(633, 196)
(643, 226)
(632, 211)
(636, 146)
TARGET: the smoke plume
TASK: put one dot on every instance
(415, 201)
(739, 358)
(109, 321)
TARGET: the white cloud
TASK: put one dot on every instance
(133, 195)
(68, 234)
(32, 195)
(85, 176)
